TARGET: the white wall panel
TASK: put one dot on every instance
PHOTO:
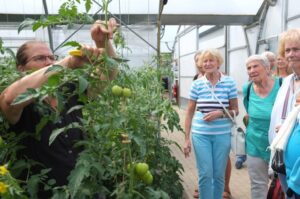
(185, 86)
(188, 42)
(252, 34)
(293, 23)
(213, 40)
(238, 68)
(273, 21)
(187, 66)
(293, 8)
(236, 36)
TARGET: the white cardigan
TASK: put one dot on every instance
(281, 139)
(278, 107)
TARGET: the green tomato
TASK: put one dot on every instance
(117, 90)
(127, 92)
(141, 168)
(147, 178)
(130, 165)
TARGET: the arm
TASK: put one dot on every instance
(101, 36)
(34, 80)
(233, 106)
(188, 122)
(233, 101)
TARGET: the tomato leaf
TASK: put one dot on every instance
(57, 132)
(110, 62)
(53, 68)
(73, 44)
(36, 25)
(88, 5)
(83, 84)
(29, 94)
(53, 80)
(25, 24)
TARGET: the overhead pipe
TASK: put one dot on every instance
(261, 23)
(272, 2)
(162, 3)
(48, 28)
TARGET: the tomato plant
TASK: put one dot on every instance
(121, 132)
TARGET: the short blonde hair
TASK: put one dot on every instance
(290, 35)
(215, 53)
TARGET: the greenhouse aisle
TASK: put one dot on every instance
(239, 182)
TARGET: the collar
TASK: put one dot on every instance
(220, 79)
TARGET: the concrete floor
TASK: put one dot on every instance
(239, 182)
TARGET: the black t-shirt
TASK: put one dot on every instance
(61, 155)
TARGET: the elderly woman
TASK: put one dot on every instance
(199, 66)
(282, 68)
(259, 97)
(289, 45)
(272, 60)
(210, 127)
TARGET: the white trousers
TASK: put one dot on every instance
(259, 179)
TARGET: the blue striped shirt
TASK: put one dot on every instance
(225, 89)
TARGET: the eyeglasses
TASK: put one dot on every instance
(42, 58)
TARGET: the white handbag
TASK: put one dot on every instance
(238, 145)
(237, 138)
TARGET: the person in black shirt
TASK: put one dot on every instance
(61, 155)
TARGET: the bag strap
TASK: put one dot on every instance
(248, 92)
(226, 111)
(285, 104)
(249, 89)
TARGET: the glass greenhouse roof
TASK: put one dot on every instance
(175, 11)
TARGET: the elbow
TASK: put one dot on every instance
(10, 112)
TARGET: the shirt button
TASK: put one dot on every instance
(70, 151)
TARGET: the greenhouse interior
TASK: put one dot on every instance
(149, 99)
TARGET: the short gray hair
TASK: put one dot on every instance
(269, 54)
(261, 58)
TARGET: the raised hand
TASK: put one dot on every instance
(100, 31)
